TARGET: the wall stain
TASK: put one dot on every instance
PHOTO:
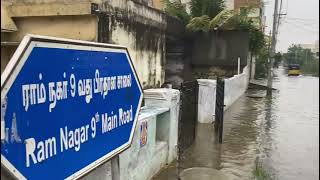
(149, 37)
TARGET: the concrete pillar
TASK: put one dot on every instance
(101, 172)
(206, 100)
(115, 168)
(239, 65)
(169, 98)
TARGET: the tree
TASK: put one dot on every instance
(277, 59)
(304, 57)
(206, 7)
(298, 55)
(262, 56)
(178, 10)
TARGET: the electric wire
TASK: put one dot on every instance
(300, 27)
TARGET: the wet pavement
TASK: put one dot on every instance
(282, 132)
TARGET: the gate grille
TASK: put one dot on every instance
(219, 108)
(188, 113)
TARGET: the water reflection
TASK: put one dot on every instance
(282, 132)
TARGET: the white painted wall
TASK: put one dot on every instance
(170, 98)
(147, 61)
(141, 163)
(234, 88)
(206, 100)
(161, 111)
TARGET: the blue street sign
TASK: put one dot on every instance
(66, 107)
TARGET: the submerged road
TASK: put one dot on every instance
(281, 132)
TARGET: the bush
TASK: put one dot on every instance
(176, 9)
(199, 24)
(206, 7)
(209, 15)
(311, 68)
(262, 63)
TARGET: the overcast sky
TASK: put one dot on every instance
(299, 26)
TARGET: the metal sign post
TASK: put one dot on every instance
(68, 107)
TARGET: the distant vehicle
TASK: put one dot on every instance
(294, 70)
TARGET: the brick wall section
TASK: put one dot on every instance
(159, 4)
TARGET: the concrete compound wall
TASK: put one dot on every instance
(206, 100)
(220, 48)
(143, 162)
(142, 30)
(138, 162)
(126, 22)
(234, 88)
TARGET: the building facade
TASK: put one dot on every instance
(132, 23)
(258, 12)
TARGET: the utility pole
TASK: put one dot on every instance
(273, 45)
(279, 17)
(306, 58)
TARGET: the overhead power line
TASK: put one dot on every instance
(301, 27)
(309, 24)
(314, 20)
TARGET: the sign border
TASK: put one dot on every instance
(15, 61)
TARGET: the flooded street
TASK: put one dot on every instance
(282, 133)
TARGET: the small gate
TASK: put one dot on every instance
(187, 118)
(188, 113)
(219, 108)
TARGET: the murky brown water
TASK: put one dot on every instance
(282, 132)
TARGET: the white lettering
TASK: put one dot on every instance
(109, 122)
(30, 148)
(52, 96)
(125, 116)
(73, 138)
(44, 150)
(73, 85)
(25, 96)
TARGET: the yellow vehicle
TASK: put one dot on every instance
(294, 70)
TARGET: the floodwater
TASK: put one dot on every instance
(282, 133)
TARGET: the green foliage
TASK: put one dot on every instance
(277, 59)
(304, 57)
(178, 10)
(256, 37)
(209, 15)
(311, 68)
(298, 55)
(199, 24)
(221, 18)
(230, 20)
(206, 7)
(256, 41)
(259, 173)
(262, 63)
